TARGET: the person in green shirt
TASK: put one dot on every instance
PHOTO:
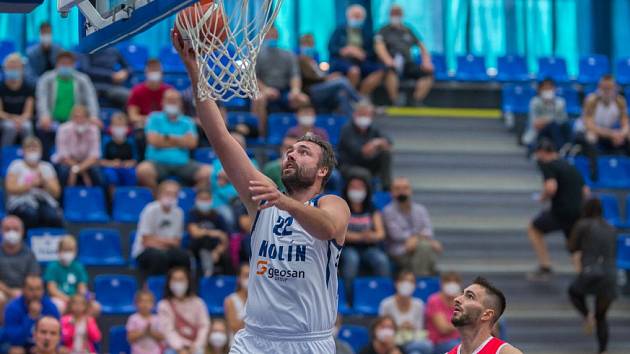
(273, 169)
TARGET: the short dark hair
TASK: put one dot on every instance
(592, 208)
(65, 54)
(401, 274)
(168, 294)
(495, 296)
(328, 158)
(44, 25)
(153, 61)
(378, 321)
(545, 81)
(545, 145)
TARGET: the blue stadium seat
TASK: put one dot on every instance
(171, 63)
(2, 203)
(277, 126)
(592, 68)
(582, 164)
(553, 67)
(369, 292)
(106, 114)
(249, 119)
(343, 305)
(332, 124)
(623, 71)
(10, 153)
(204, 155)
(610, 208)
(6, 48)
(614, 172)
(512, 68)
(100, 247)
(186, 199)
(626, 224)
(380, 199)
(118, 343)
(571, 97)
(623, 251)
(515, 98)
(213, 290)
(84, 204)
(44, 241)
(115, 293)
(357, 336)
(156, 285)
(440, 70)
(237, 104)
(179, 81)
(426, 286)
(136, 55)
(335, 183)
(471, 68)
(129, 202)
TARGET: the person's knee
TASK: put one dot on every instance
(354, 72)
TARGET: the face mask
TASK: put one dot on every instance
(204, 206)
(547, 95)
(171, 109)
(168, 202)
(271, 43)
(355, 23)
(402, 198)
(13, 75)
(178, 288)
(452, 289)
(405, 288)
(65, 71)
(306, 121)
(363, 122)
(154, 76)
(308, 51)
(244, 283)
(66, 257)
(385, 334)
(217, 339)
(12, 237)
(357, 195)
(81, 128)
(395, 20)
(45, 39)
(119, 133)
(32, 157)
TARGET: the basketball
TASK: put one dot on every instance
(212, 22)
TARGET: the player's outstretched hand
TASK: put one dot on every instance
(267, 191)
(185, 51)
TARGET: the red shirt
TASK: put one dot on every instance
(491, 346)
(436, 305)
(146, 99)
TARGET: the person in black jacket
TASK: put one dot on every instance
(109, 71)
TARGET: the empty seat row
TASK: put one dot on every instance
(613, 171)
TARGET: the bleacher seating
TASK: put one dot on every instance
(278, 124)
(180, 81)
(571, 97)
(380, 199)
(440, 70)
(247, 118)
(623, 71)
(44, 241)
(156, 285)
(214, 289)
(582, 164)
(554, 68)
(515, 98)
(186, 199)
(204, 155)
(118, 343)
(357, 336)
(610, 208)
(614, 172)
(115, 293)
(332, 124)
(343, 304)
(623, 251)
(592, 67)
(2, 208)
(100, 247)
(512, 68)
(426, 286)
(84, 204)
(106, 114)
(10, 153)
(129, 202)
(171, 63)
(369, 292)
(471, 68)
(136, 55)
(6, 47)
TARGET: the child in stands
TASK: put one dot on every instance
(143, 327)
(118, 162)
(79, 331)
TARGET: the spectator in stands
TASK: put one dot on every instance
(273, 169)
(109, 71)
(171, 136)
(22, 313)
(47, 336)
(244, 222)
(408, 313)
(547, 117)
(594, 245)
(17, 101)
(143, 327)
(209, 236)
(279, 80)
(218, 339)
(58, 92)
(411, 242)
(382, 337)
(234, 304)
(43, 55)
(364, 147)
(327, 92)
(118, 161)
(17, 261)
(605, 118)
(160, 232)
(364, 236)
(564, 187)
(33, 188)
(79, 330)
(306, 123)
(183, 315)
(79, 151)
(146, 98)
(341, 346)
(393, 44)
(351, 50)
(439, 311)
(67, 276)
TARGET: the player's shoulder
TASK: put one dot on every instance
(508, 348)
(330, 199)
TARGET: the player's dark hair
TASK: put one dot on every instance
(328, 159)
(367, 206)
(168, 294)
(495, 296)
(592, 208)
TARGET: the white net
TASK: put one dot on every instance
(226, 37)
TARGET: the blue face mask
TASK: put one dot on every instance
(13, 75)
(308, 51)
(355, 23)
(271, 43)
(65, 71)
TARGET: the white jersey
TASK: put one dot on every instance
(293, 280)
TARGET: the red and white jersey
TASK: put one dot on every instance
(491, 346)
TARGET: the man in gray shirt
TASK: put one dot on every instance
(279, 80)
(547, 117)
(16, 261)
(410, 235)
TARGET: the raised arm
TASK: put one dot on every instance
(237, 165)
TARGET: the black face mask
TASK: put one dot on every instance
(402, 198)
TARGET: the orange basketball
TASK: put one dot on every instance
(212, 22)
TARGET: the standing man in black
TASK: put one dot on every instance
(564, 186)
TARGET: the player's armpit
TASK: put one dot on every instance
(509, 349)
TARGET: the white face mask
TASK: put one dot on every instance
(168, 202)
(12, 237)
(306, 121)
(154, 76)
(81, 128)
(217, 339)
(178, 288)
(395, 20)
(356, 195)
(547, 95)
(452, 289)
(363, 122)
(67, 257)
(385, 334)
(32, 157)
(45, 39)
(171, 109)
(119, 133)
(204, 206)
(244, 283)
(405, 288)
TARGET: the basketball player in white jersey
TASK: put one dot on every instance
(296, 239)
(476, 312)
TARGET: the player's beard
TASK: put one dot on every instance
(299, 179)
(466, 318)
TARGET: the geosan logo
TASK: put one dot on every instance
(278, 274)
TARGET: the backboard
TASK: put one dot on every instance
(106, 22)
